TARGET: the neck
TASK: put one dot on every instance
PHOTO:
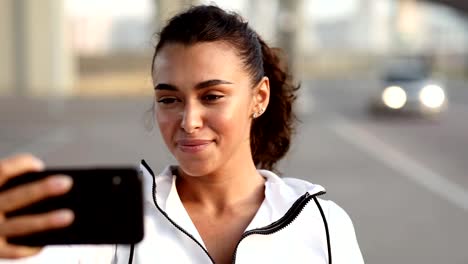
(226, 188)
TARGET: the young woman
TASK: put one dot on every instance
(223, 104)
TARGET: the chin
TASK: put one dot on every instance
(195, 168)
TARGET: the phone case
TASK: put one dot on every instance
(107, 203)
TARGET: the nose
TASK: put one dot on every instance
(191, 118)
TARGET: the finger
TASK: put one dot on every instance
(29, 193)
(8, 251)
(17, 165)
(25, 225)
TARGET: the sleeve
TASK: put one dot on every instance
(343, 241)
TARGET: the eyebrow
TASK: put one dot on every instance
(204, 84)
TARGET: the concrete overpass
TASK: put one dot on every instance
(461, 5)
(36, 58)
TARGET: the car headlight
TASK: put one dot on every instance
(432, 96)
(394, 97)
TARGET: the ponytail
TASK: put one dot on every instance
(271, 132)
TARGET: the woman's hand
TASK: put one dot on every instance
(24, 195)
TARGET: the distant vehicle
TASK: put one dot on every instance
(407, 86)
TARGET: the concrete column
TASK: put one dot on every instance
(290, 25)
(48, 56)
(292, 31)
(380, 24)
(262, 15)
(410, 26)
(7, 48)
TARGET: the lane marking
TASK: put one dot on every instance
(400, 162)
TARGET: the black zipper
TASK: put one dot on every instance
(281, 223)
(276, 226)
(168, 218)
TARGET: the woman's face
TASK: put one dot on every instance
(204, 104)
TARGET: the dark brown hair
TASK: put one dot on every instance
(271, 133)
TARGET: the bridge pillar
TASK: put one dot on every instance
(36, 58)
(7, 48)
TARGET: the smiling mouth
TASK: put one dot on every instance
(192, 145)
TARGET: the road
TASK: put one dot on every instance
(403, 181)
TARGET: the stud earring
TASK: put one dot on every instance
(257, 114)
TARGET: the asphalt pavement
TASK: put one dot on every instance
(403, 181)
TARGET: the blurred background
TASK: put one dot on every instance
(383, 105)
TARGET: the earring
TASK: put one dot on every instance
(257, 114)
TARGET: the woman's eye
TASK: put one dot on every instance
(167, 100)
(212, 97)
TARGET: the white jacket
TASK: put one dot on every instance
(291, 226)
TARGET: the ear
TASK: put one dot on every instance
(261, 97)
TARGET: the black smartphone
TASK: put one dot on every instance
(107, 203)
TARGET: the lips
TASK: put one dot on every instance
(192, 145)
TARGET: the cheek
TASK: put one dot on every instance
(232, 121)
(162, 118)
(166, 121)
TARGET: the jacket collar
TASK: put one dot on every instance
(280, 194)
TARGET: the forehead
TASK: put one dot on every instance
(203, 60)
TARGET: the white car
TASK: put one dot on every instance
(409, 88)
